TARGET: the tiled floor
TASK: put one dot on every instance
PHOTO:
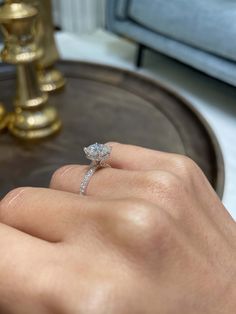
(214, 99)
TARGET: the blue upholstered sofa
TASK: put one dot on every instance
(200, 33)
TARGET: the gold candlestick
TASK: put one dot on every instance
(33, 117)
(50, 78)
(3, 117)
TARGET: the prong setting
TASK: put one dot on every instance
(98, 154)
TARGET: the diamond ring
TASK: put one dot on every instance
(98, 154)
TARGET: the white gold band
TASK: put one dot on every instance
(87, 177)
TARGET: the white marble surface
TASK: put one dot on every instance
(215, 100)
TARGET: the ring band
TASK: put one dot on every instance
(98, 154)
(87, 177)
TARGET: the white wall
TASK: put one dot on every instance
(79, 16)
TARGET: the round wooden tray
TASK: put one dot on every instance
(101, 104)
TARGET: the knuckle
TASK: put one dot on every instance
(137, 212)
(9, 201)
(59, 174)
(161, 182)
(165, 188)
(185, 166)
(142, 223)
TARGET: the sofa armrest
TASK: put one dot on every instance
(117, 9)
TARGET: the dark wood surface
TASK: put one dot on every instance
(103, 104)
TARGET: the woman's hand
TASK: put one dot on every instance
(150, 237)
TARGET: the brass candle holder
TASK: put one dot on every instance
(33, 118)
(50, 78)
(3, 117)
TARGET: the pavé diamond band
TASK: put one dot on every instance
(98, 154)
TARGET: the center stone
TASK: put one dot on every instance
(97, 152)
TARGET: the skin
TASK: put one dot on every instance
(150, 237)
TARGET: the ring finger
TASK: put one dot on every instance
(112, 183)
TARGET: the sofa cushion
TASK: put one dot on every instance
(213, 65)
(206, 24)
